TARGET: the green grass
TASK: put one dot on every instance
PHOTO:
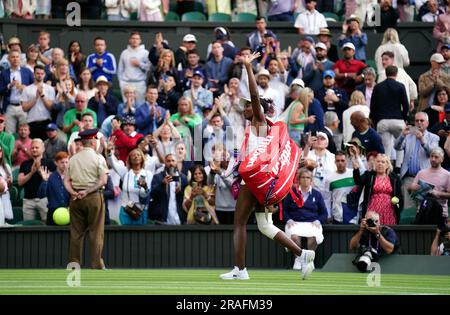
(206, 282)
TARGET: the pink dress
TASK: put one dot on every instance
(380, 201)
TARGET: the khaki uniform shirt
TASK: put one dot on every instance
(85, 168)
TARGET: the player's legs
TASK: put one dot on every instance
(244, 207)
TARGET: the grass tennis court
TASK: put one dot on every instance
(206, 282)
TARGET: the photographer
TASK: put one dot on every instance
(441, 242)
(372, 240)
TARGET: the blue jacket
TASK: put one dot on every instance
(104, 110)
(108, 68)
(145, 123)
(54, 191)
(313, 209)
(315, 108)
(371, 140)
(360, 43)
(159, 204)
(5, 79)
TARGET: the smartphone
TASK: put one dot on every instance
(413, 130)
(175, 178)
(78, 116)
(314, 133)
(165, 77)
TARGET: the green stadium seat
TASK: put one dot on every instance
(17, 215)
(117, 94)
(408, 215)
(198, 7)
(14, 195)
(133, 16)
(171, 16)
(30, 222)
(173, 6)
(19, 201)
(331, 16)
(15, 176)
(193, 17)
(219, 17)
(371, 63)
(113, 222)
(245, 17)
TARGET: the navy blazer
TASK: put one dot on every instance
(389, 101)
(361, 88)
(313, 209)
(159, 204)
(5, 79)
(144, 121)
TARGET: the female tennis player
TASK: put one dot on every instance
(254, 111)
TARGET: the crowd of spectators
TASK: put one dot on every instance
(173, 123)
(306, 15)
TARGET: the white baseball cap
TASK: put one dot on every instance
(298, 82)
(348, 45)
(322, 135)
(189, 38)
(321, 45)
(437, 57)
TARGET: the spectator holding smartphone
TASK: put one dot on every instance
(199, 199)
(136, 185)
(167, 194)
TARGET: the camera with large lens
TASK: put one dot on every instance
(370, 222)
(368, 255)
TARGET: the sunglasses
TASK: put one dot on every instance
(420, 120)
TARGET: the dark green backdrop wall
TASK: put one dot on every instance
(156, 246)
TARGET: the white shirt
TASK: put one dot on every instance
(311, 22)
(172, 216)
(339, 195)
(430, 17)
(39, 111)
(325, 167)
(15, 93)
(368, 95)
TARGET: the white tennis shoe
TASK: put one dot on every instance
(235, 274)
(307, 262)
(297, 263)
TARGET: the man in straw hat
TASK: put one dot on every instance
(325, 37)
(103, 103)
(14, 44)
